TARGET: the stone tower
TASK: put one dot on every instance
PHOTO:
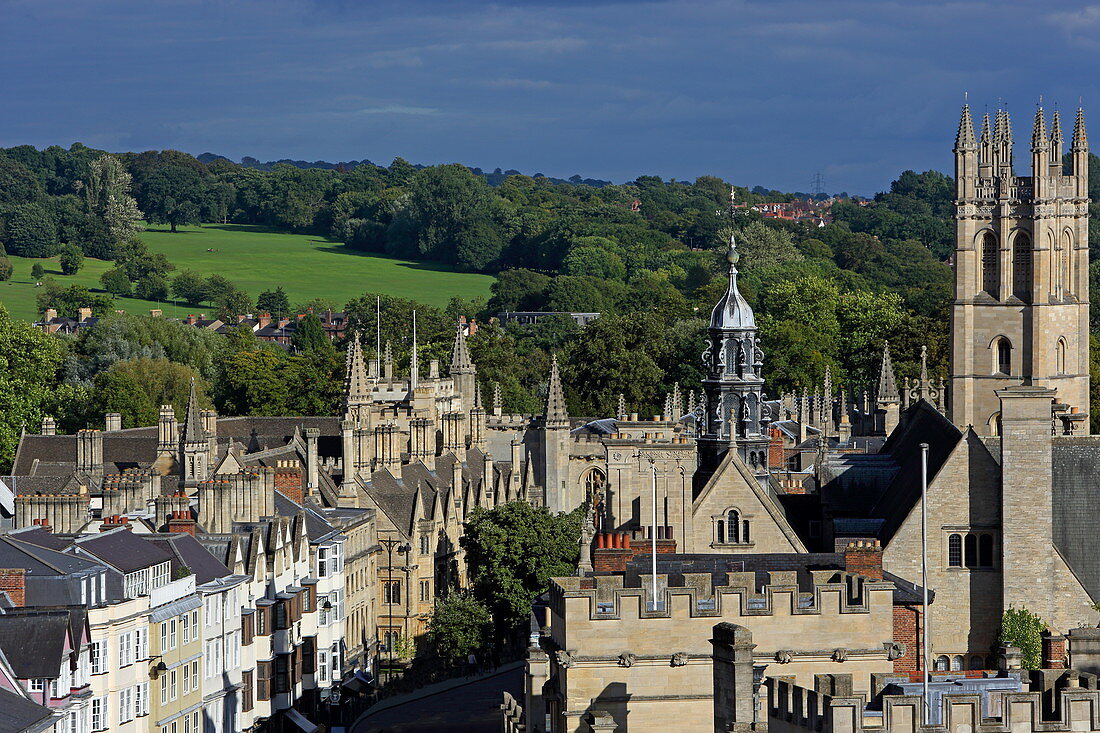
(733, 385)
(555, 447)
(463, 372)
(1020, 314)
(194, 446)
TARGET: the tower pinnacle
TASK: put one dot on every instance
(1039, 139)
(1080, 139)
(964, 139)
(192, 427)
(556, 414)
(357, 388)
(887, 390)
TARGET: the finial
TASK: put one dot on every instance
(964, 139)
(1080, 139)
(1039, 131)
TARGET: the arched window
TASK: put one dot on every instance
(733, 526)
(942, 662)
(594, 482)
(991, 270)
(985, 551)
(720, 532)
(1060, 356)
(1004, 356)
(956, 663)
(954, 551)
(1058, 265)
(1067, 263)
(1021, 267)
(970, 554)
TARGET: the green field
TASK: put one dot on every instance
(257, 259)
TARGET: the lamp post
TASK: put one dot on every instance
(391, 544)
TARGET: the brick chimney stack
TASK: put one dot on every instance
(13, 582)
(113, 522)
(865, 558)
(181, 521)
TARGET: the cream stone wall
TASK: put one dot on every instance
(653, 669)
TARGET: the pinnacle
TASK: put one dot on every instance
(460, 355)
(192, 427)
(1080, 139)
(356, 380)
(1039, 130)
(964, 140)
(887, 384)
(1056, 128)
(556, 414)
(986, 134)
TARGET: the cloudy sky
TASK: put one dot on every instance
(761, 93)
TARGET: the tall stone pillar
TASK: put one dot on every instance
(734, 703)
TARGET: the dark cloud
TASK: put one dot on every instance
(759, 92)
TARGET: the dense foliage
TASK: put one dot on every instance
(512, 551)
(460, 624)
(1024, 630)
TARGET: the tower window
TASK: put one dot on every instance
(954, 551)
(1004, 356)
(991, 271)
(985, 551)
(1061, 356)
(733, 525)
(971, 557)
(1021, 267)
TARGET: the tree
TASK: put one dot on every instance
(5, 269)
(71, 259)
(615, 355)
(152, 287)
(37, 271)
(29, 364)
(761, 245)
(594, 262)
(138, 387)
(31, 232)
(518, 290)
(134, 257)
(309, 335)
(107, 193)
(68, 301)
(314, 382)
(1024, 630)
(115, 282)
(249, 377)
(274, 302)
(173, 195)
(513, 550)
(189, 286)
(460, 625)
(18, 185)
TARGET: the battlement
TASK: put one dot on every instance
(994, 703)
(725, 595)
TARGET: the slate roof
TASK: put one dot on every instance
(124, 550)
(189, 552)
(34, 642)
(41, 538)
(20, 715)
(316, 526)
(36, 560)
(1076, 504)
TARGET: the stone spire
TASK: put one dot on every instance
(556, 414)
(887, 384)
(1056, 138)
(985, 142)
(964, 139)
(1039, 139)
(1080, 139)
(498, 403)
(357, 386)
(477, 397)
(827, 407)
(460, 354)
(193, 429)
(620, 408)
(677, 402)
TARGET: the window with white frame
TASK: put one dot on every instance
(195, 675)
(233, 649)
(213, 657)
(141, 699)
(136, 583)
(38, 685)
(173, 685)
(126, 649)
(98, 656)
(323, 562)
(141, 644)
(334, 657)
(100, 718)
(186, 678)
(163, 689)
(172, 633)
(337, 558)
(185, 623)
(83, 668)
(160, 575)
(163, 637)
(125, 704)
(322, 665)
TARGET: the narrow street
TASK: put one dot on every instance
(458, 706)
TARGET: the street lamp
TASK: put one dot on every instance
(391, 544)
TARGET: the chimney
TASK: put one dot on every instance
(288, 480)
(472, 327)
(241, 317)
(89, 452)
(49, 426)
(155, 313)
(1054, 648)
(265, 318)
(113, 421)
(113, 522)
(181, 521)
(84, 313)
(13, 582)
(312, 461)
(50, 314)
(190, 320)
(864, 557)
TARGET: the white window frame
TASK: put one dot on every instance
(101, 719)
(97, 655)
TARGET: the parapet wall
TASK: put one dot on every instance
(1068, 707)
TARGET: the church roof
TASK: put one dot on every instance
(1076, 507)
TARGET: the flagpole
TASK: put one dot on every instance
(926, 654)
(653, 537)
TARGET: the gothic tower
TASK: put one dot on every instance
(560, 496)
(463, 372)
(733, 385)
(1020, 313)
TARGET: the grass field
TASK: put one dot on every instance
(257, 259)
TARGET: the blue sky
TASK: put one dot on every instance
(761, 93)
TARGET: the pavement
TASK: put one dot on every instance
(457, 706)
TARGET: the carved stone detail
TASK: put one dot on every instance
(566, 658)
(784, 656)
(626, 659)
(840, 655)
(679, 659)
